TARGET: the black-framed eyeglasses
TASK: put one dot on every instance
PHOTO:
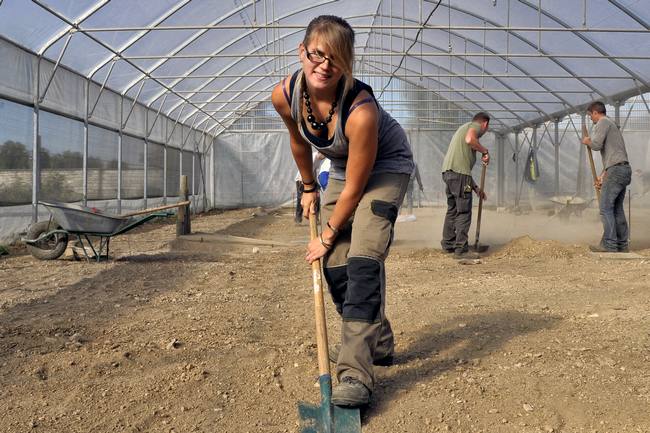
(318, 58)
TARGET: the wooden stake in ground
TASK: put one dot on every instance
(585, 133)
(183, 223)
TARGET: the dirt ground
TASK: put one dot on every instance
(215, 334)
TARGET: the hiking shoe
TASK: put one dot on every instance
(601, 249)
(386, 361)
(624, 249)
(448, 250)
(350, 392)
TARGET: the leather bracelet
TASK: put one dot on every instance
(334, 230)
(314, 189)
(323, 243)
(309, 183)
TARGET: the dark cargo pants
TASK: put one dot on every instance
(459, 211)
(354, 271)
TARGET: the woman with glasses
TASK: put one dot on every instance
(325, 108)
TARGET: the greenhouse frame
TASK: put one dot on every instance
(119, 98)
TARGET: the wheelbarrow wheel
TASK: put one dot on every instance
(50, 247)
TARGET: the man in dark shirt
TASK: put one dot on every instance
(616, 176)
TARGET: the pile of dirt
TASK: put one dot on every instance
(527, 247)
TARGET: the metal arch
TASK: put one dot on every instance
(590, 43)
(524, 100)
(476, 87)
(242, 36)
(464, 56)
(226, 67)
(90, 12)
(250, 52)
(456, 104)
(253, 94)
(102, 44)
(182, 46)
(631, 14)
(526, 41)
(542, 85)
(459, 107)
(136, 38)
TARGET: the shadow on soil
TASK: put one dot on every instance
(444, 347)
(90, 306)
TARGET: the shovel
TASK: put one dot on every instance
(477, 247)
(325, 418)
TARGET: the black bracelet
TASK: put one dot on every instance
(314, 189)
(309, 183)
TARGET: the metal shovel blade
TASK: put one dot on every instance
(327, 418)
(480, 248)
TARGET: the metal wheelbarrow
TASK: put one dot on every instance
(47, 240)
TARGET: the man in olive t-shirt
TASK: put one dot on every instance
(457, 175)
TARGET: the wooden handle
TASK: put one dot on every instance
(155, 209)
(585, 133)
(319, 306)
(480, 205)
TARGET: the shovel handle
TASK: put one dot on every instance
(480, 205)
(319, 306)
(585, 133)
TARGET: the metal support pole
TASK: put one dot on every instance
(146, 171)
(213, 176)
(617, 114)
(501, 170)
(193, 183)
(557, 157)
(120, 139)
(41, 98)
(165, 173)
(84, 170)
(516, 169)
(36, 163)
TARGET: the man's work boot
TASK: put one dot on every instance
(385, 361)
(601, 249)
(350, 392)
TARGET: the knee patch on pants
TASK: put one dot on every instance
(363, 296)
(337, 281)
(384, 209)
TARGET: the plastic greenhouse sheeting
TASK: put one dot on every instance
(143, 91)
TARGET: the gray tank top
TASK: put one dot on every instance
(394, 152)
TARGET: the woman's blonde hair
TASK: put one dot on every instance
(337, 37)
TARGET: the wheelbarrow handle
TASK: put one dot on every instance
(156, 209)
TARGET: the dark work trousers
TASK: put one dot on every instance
(459, 211)
(612, 209)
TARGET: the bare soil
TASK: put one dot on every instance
(215, 334)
